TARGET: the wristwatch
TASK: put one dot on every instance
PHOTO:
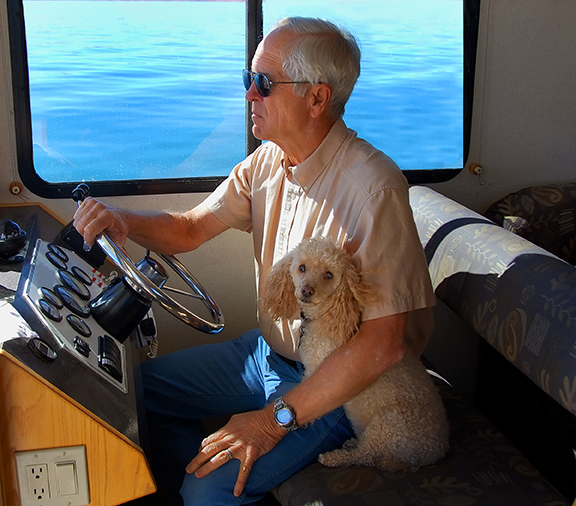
(284, 415)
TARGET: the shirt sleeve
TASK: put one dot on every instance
(386, 243)
(231, 202)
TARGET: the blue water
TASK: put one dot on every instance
(144, 90)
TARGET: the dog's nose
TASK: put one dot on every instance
(307, 291)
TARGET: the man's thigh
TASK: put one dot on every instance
(215, 379)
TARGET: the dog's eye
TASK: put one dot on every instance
(328, 275)
(302, 268)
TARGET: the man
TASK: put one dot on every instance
(315, 178)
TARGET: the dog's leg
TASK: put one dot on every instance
(354, 453)
(338, 458)
(385, 443)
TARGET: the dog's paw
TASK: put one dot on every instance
(335, 458)
(340, 457)
(395, 468)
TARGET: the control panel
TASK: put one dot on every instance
(59, 289)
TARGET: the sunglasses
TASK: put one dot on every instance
(263, 84)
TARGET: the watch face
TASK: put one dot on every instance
(284, 416)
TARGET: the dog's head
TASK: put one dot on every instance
(317, 277)
(318, 268)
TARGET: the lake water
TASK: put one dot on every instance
(152, 89)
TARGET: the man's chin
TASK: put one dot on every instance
(257, 133)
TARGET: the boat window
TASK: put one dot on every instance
(137, 97)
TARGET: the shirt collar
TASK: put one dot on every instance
(307, 172)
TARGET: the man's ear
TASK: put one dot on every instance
(320, 95)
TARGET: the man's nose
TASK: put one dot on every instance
(252, 93)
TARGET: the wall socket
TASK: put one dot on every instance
(53, 477)
(37, 480)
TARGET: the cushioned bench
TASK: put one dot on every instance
(522, 301)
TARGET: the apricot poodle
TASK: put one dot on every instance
(399, 421)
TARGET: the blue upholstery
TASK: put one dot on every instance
(481, 468)
(517, 296)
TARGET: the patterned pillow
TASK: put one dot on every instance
(544, 215)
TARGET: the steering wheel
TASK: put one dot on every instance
(153, 291)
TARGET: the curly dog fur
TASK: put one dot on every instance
(400, 421)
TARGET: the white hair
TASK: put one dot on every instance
(324, 53)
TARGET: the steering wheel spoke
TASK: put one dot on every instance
(184, 293)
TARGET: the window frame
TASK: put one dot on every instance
(254, 29)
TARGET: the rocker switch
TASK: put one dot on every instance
(110, 357)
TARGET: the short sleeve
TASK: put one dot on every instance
(386, 244)
(231, 202)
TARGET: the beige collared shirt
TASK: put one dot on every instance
(346, 190)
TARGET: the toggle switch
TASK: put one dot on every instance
(66, 478)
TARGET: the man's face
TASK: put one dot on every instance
(277, 117)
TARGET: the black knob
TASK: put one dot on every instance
(80, 192)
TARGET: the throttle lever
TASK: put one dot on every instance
(78, 195)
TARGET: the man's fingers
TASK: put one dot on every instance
(93, 218)
(244, 472)
(243, 475)
(210, 457)
(211, 440)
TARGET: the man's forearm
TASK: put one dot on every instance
(163, 232)
(166, 233)
(350, 369)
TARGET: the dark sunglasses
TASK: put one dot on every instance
(263, 84)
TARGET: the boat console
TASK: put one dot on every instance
(70, 388)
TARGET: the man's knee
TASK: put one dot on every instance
(215, 489)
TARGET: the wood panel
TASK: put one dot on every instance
(35, 415)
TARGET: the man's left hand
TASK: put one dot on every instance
(246, 437)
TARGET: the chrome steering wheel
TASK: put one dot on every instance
(153, 291)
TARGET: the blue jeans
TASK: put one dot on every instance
(236, 376)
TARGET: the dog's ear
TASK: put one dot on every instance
(363, 293)
(348, 302)
(279, 300)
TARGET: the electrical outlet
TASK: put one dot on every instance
(37, 478)
(53, 477)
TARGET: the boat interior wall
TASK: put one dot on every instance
(524, 112)
(523, 127)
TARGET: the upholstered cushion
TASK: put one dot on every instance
(545, 215)
(481, 468)
(516, 295)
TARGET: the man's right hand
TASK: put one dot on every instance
(93, 218)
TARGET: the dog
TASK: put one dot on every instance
(399, 421)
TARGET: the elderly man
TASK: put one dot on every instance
(315, 178)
